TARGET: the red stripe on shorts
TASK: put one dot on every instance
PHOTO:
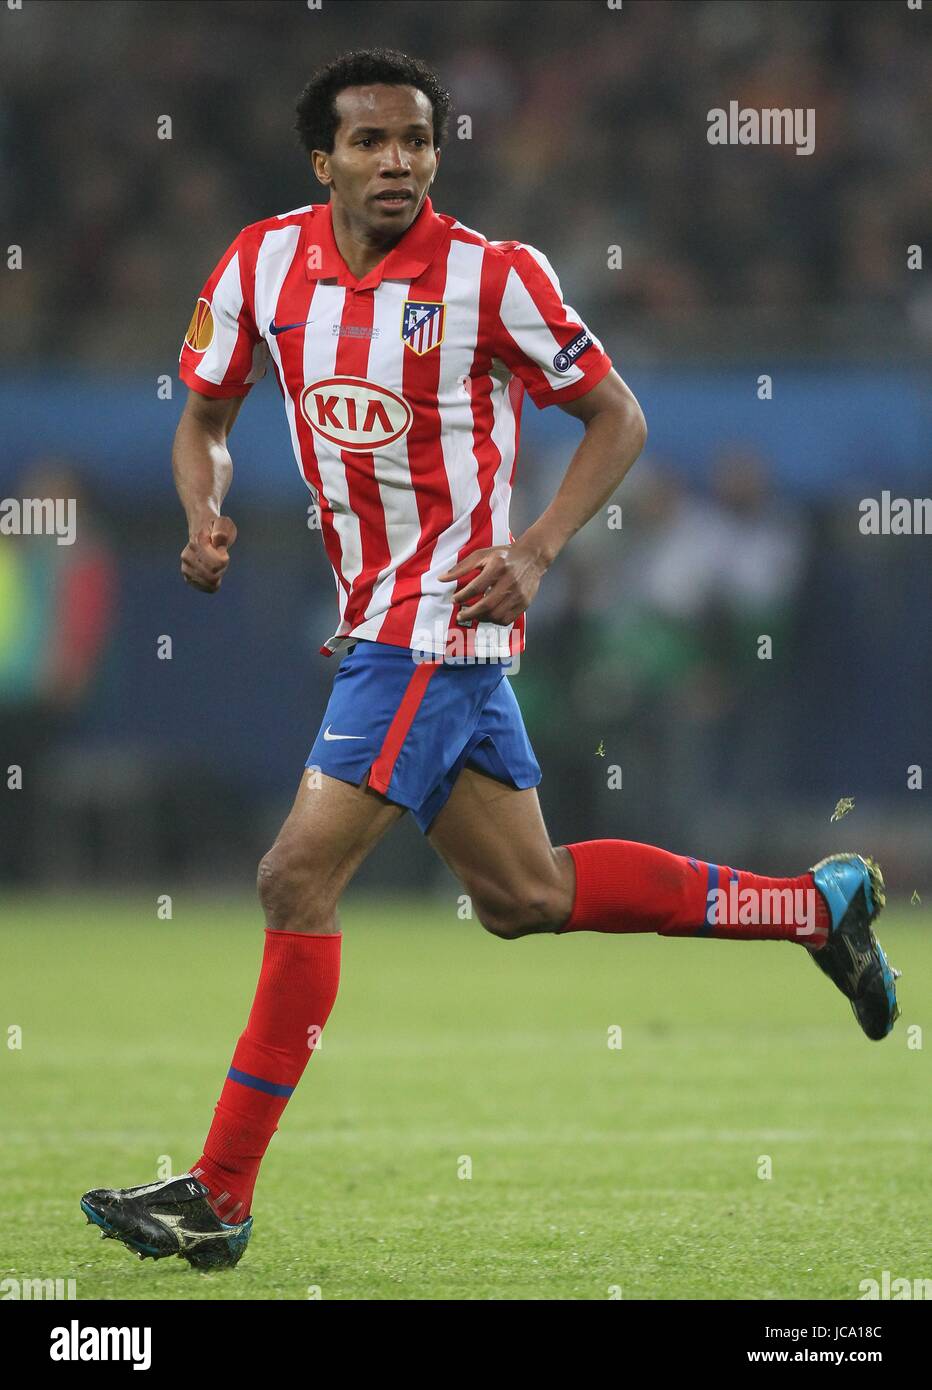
(381, 771)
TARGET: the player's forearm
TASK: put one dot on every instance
(611, 444)
(202, 468)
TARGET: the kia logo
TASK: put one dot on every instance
(355, 414)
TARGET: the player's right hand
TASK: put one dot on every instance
(206, 556)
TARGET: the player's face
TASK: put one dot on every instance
(383, 159)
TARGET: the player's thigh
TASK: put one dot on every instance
(327, 834)
(493, 838)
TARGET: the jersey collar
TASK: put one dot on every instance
(408, 259)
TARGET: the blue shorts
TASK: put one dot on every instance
(413, 725)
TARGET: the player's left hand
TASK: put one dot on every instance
(506, 579)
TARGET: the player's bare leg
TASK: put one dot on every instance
(328, 833)
(494, 839)
(203, 1215)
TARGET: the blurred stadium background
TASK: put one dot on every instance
(588, 131)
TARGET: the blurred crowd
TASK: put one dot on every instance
(58, 613)
(588, 131)
(671, 638)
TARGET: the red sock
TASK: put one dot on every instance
(622, 886)
(297, 986)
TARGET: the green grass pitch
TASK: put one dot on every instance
(594, 1170)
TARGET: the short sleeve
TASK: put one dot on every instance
(541, 339)
(223, 354)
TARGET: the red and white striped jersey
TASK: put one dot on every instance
(403, 393)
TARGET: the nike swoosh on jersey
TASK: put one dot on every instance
(329, 737)
(276, 328)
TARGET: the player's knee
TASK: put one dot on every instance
(286, 888)
(509, 916)
(275, 884)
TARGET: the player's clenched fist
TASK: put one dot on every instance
(206, 556)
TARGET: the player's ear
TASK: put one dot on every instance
(320, 164)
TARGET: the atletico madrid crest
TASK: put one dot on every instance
(422, 324)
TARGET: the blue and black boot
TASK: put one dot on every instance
(852, 957)
(172, 1217)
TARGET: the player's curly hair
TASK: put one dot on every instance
(317, 119)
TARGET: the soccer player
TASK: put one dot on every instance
(403, 343)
